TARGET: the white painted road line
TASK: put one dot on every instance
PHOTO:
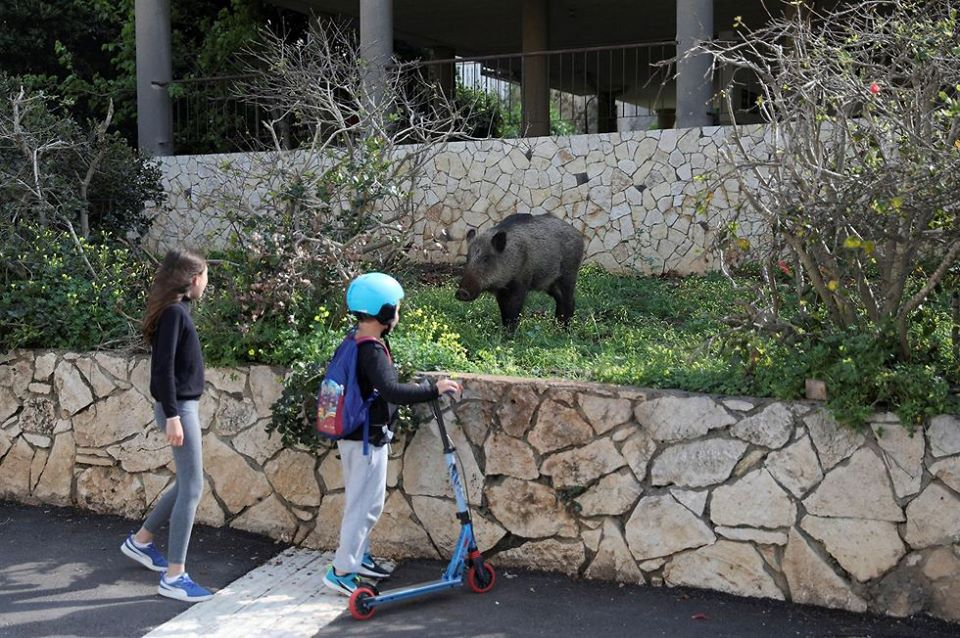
(284, 598)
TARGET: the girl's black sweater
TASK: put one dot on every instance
(176, 364)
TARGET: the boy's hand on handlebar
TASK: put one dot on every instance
(448, 386)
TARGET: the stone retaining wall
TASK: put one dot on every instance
(746, 496)
(633, 195)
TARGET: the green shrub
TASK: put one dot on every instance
(861, 367)
(235, 333)
(293, 412)
(671, 333)
(660, 332)
(51, 300)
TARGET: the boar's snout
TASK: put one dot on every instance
(469, 288)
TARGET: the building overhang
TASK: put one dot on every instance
(492, 27)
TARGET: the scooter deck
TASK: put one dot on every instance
(413, 591)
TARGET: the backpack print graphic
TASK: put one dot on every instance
(329, 408)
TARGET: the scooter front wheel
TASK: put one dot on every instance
(358, 606)
(481, 583)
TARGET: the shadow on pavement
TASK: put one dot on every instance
(62, 573)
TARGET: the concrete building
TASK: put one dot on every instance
(604, 49)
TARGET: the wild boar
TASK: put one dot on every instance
(520, 254)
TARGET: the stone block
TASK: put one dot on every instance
(660, 526)
(866, 549)
(673, 418)
(613, 495)
(581, 466)
(770, 428)
(529, 510)
(812, 581)
(756, 500)
(859, 489)
(933, 518)
(612, 559)
(510, 457)
(698, 463)
(734, 568)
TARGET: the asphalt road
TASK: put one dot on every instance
(61, 574)
(547, 605)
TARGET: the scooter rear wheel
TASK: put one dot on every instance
(481, 583)
(358, 607)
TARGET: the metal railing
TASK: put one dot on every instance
(591, 90)
(211, 116)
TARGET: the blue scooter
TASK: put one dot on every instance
(480, 576)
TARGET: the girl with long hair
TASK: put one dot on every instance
(176, 383)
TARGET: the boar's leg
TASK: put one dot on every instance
(562, 291)
(510, 300)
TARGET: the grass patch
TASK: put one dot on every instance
(639, 331)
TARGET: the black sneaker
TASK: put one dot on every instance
(372, 569)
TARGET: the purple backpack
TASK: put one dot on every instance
(341, 409)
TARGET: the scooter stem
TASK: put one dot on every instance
(444, 438)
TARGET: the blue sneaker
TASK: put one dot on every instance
(372, 569)
(344, 584)
(149, 556)
(182, 588)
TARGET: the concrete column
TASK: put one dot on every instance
(376, 43)
(535, 81)
(154, 108)
(694, 83)
(444, 75)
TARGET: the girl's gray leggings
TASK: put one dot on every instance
(179, 503)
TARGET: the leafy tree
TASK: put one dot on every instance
(856, 182)
(69, 196)
(85, 52)
(302, 223)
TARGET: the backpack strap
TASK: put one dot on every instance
(373, 395)
(360, 340)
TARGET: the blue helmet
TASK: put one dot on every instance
(369, 294)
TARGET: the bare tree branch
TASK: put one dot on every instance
(859, 173)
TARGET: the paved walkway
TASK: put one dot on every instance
(61, 574)
(283, 597)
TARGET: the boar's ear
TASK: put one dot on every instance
(471, 234)
(499, 241)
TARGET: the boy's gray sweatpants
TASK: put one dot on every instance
(365, 485)
(179, 503)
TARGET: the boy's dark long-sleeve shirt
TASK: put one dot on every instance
(375, 370)
(176, 364)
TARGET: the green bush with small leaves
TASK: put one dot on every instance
(51, 299)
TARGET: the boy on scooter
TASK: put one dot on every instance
(374, 298)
